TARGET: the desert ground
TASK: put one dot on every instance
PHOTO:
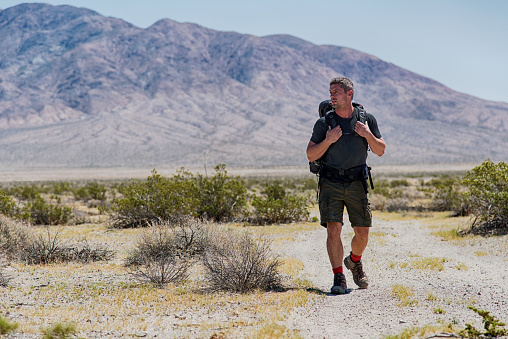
(422, 280)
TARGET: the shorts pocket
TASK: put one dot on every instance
(367, 215)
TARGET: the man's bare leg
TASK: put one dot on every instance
(334, 243)
(360, 240)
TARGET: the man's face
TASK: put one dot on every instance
(339, 96)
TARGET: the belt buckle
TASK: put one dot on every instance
(341, 172)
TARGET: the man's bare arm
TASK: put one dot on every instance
(377, 145)
(316, 151)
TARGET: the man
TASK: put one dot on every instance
(341, 183)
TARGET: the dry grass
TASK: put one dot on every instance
(101, 296)
(424, 332)
(404, 295)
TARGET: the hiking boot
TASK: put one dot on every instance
(356, 269)
(339, 284)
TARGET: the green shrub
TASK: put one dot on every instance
(157, 198)
(280, 207)
(91, 191)
(10, 208)
(60, 187)
(6, 326)
(60, 331)
(447, 195)
(490, 324)
(221, 197)
(384, 188)
(26, 192)
(487, 194)
(47, 213)
(399, 182)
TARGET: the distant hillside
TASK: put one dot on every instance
(81, 90)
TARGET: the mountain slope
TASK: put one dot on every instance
(80, 89)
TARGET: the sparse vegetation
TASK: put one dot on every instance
(221, 197)
(59, 331)
(404, 294)
(490, 323)
(6, 326)
(165, 252)
(170, 238)
(433, 263)
(157, 198)
(424, 332)
(238, 262)
(20, 243)
(278, 206)
(487, 194)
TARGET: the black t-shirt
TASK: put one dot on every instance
(351, 149)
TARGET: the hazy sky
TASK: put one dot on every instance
(461, 43)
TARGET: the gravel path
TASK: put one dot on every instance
(440, 296)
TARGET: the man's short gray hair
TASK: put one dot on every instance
(345, 83)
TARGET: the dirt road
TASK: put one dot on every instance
(474, 273)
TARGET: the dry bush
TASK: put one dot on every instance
(4, 278)
(397, 205)
(48, 248)
(237, 262)
(167, 250)
(19, 243)
(14, 238)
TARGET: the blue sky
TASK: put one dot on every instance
(463, 44)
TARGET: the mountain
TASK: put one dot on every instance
(78, 89)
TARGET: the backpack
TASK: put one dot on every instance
(324, 110)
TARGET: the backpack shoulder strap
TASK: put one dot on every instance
(362, 112)
(331, 120)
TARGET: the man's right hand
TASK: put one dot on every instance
(332, 135)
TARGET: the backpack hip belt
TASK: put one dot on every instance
(358, 173)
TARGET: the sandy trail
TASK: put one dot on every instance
(439, 296)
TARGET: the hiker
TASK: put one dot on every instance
(342, 180)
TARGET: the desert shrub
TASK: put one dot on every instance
(27, 192)
(397, 205)
(238, 262)
(91, 191)
(20, 243)
(6, 326)
(165, 252)
(493, 326)
(446, 194)
(4, 278)
(221, 197)
(384, 188)
(399, 182)
(10, 208)
(60, 188)
(60, 331)
(49, 248)
(14, 238)
(280, 207)
(47, 213)
(487, 194)
(157, 198)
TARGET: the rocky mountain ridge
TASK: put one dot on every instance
(78, 89)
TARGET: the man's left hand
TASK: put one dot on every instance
(363, 130)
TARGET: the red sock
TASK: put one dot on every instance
(355, 258)
(337, 270)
